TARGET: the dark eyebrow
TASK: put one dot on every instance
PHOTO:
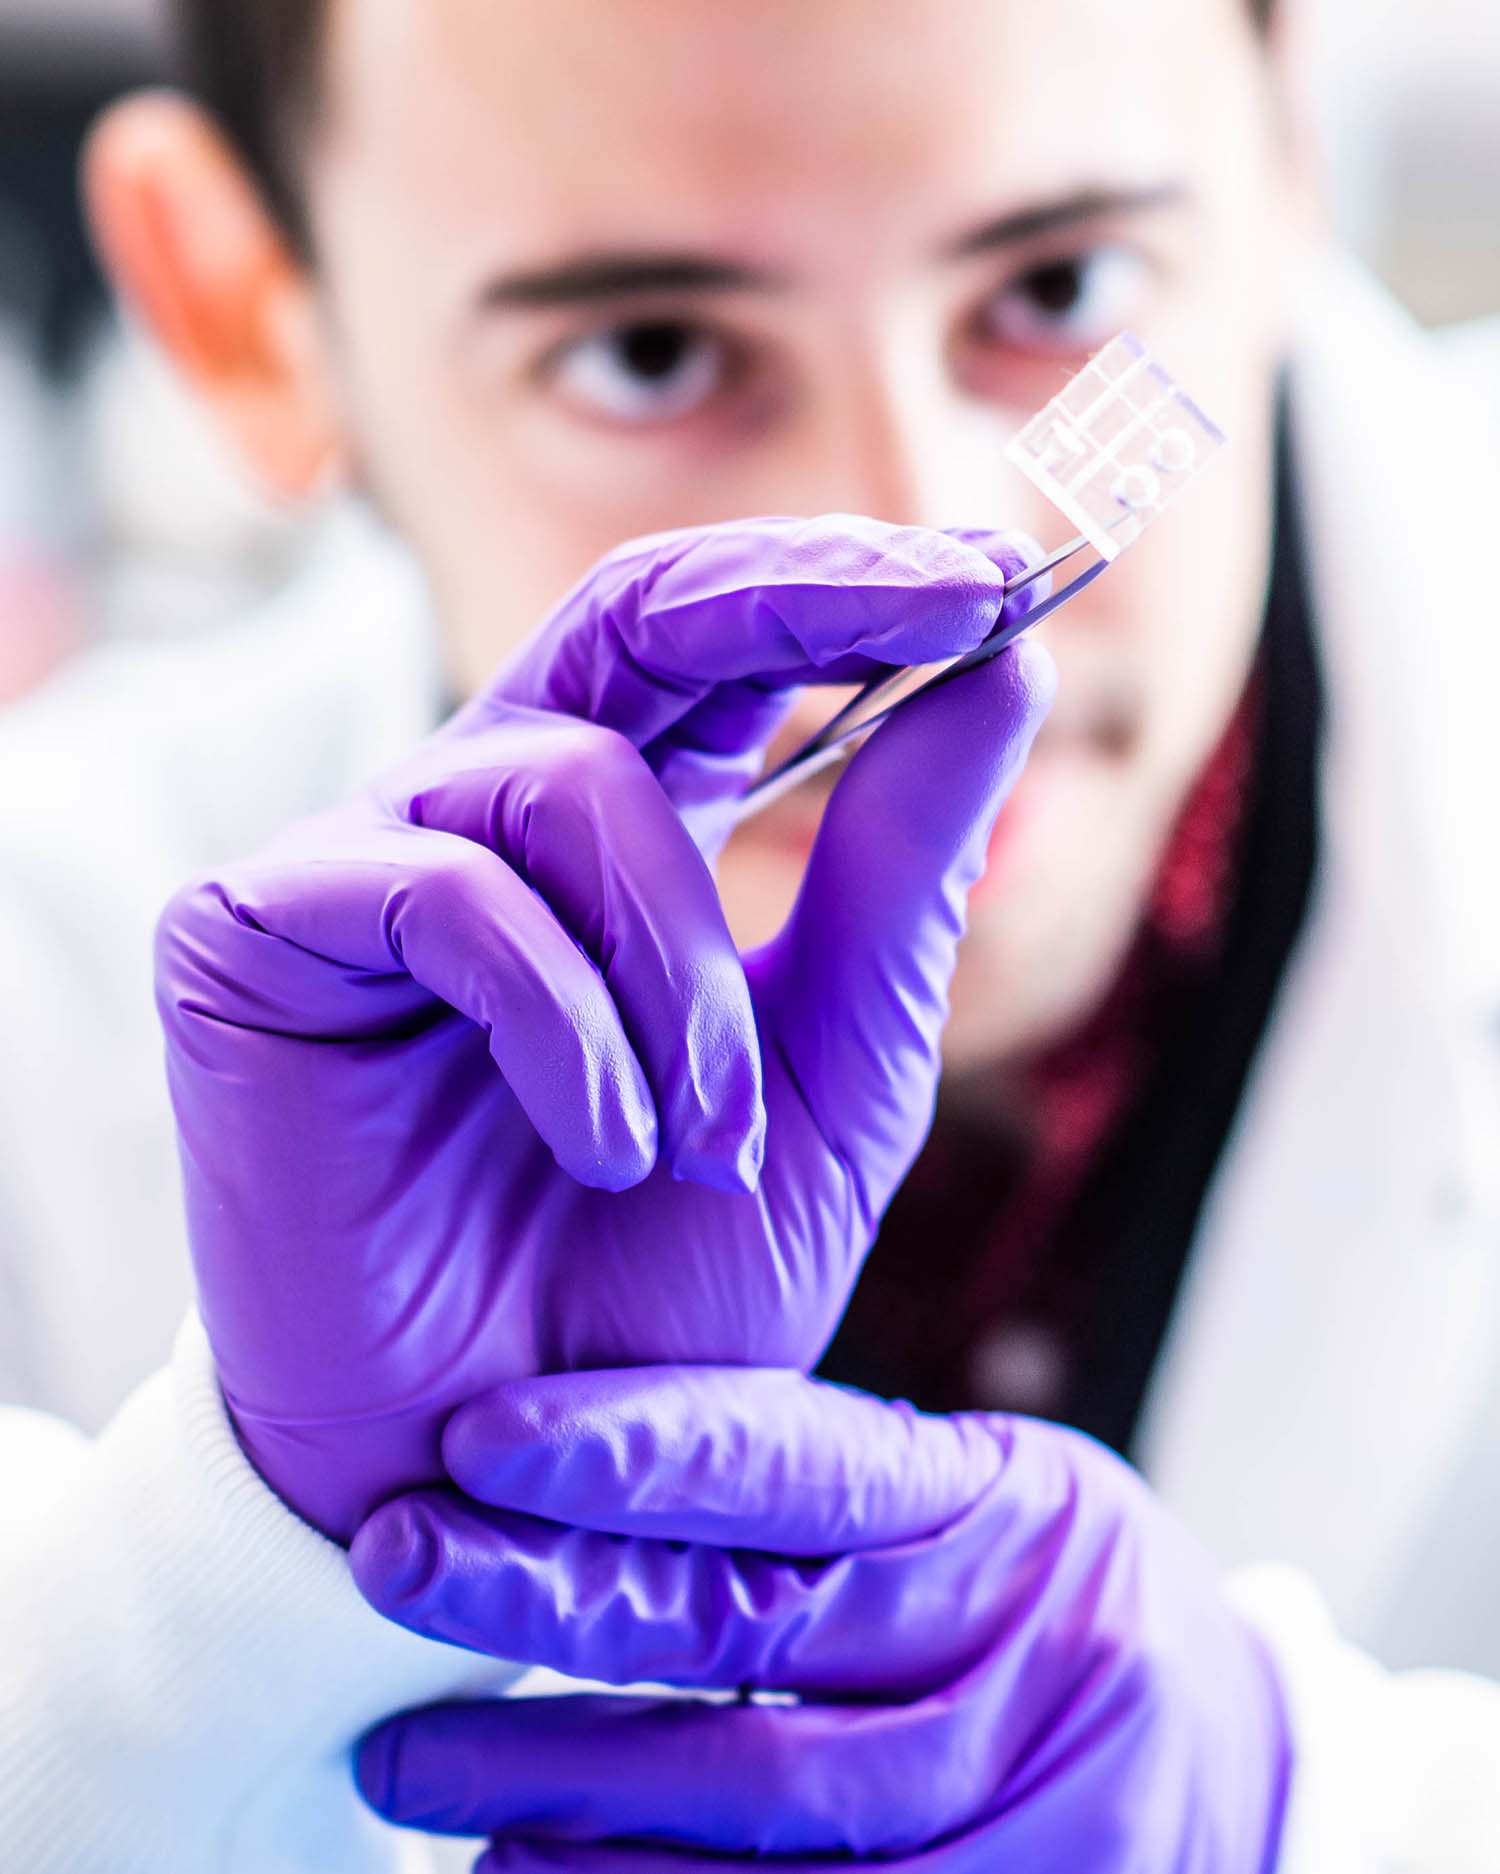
(1086, 205)
(618, 276)
(603, 276)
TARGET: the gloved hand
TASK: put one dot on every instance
(1045, 1679)
(470, 1080)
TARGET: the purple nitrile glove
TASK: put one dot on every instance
(1009, 1655)
(470, 1080)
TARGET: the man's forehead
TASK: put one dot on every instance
(746, 97)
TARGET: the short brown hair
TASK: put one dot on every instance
(253, 64)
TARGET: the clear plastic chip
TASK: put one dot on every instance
(1116, 446)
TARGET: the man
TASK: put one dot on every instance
(534, 291)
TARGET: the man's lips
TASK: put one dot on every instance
(1014, 817)
(1098, 710)
(791, 826)
(1096, 718)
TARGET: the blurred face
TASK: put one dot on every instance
(591, 270)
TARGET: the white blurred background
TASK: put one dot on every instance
(1407, 100)
(118, 516)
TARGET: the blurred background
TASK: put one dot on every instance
(119, 517)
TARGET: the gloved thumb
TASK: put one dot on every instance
(854, 993)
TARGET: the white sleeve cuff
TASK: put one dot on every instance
(187, 1664)
(1394, 1773)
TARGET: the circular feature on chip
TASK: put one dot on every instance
(1136, 488)
(1175, 452)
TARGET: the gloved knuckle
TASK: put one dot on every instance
(1013, 551)
(1101, 1471)
(184, 909)
(640, 553)
(1153, 1682)
(585, 763)
(447, 885)
(175, 949)
(214, 905)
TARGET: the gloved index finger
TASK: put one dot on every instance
(735, 1457)
(645, 637)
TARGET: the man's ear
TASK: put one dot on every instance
(199, 259)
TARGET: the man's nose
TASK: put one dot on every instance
(905, 443)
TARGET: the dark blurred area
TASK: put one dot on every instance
(119, 514)
(59, 65)
(54, 79)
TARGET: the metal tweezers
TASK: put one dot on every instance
(882, 695)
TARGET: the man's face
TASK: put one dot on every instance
(593, 270)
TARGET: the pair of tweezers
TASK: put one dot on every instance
(882, 695)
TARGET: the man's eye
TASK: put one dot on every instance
(1074, 303)
(649, 371)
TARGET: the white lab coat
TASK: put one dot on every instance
(193, 1662)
